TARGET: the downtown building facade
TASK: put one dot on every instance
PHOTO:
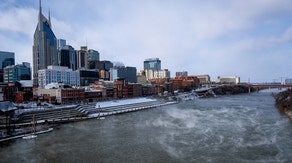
(92, 58)
(104, 69)
(58, 74)
(82, 58)
(44, 48)
(152, 64)
(151, 74)
(288, 81)
(6, 59)
(88, 76)
(67, 57)
(181, 73)
(228, 80)
(61, 43)
(204, 79)
(128, 74)
(87, 59)
(152, 69)
(17, 72)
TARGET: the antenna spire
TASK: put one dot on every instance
(40, 15)
(40, 6)
(50, 17)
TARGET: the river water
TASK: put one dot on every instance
(238, 128)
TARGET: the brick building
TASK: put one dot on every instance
(63, 94)
(185, 83)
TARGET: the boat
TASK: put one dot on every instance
(45, 131)
(99, 117)
(33, 134)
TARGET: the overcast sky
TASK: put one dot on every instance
(251, 39)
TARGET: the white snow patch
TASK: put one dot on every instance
(123, 102)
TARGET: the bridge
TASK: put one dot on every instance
(268, 86)
(251, 87)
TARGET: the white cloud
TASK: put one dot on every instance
(18, 20)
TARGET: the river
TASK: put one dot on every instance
(237, 128)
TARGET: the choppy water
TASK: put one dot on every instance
(241, 128)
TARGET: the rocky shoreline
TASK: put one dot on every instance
(232, 90)
(284, 102)
(229, 90)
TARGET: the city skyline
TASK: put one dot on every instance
(249, 39)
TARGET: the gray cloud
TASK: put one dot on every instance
(203, 37)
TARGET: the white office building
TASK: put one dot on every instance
(288, 81)
(58, 74)
(228, 80)
(150, 74)
(113, 74)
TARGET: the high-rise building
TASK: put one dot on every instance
(103, 65)
(87, 59)
(152, 69)
(152, 64)
(150, 74)
(82, 58)
(6, 59)
(93, 55)
(127, 73)
(44, 45)
(67, 57)
(88, 76)
(61, 43)
(92, 58)
(17, 72)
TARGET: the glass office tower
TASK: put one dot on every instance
(6, 59)
(152, 64)
(44, 45)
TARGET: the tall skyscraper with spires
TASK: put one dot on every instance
(44, 48)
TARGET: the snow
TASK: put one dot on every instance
(273, 90)
(123, 102)
(26, 83)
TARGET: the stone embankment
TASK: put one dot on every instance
(284, 102)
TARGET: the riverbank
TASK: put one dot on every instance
(284, 102)
(58, 115)
(227, 90)
(232, 89)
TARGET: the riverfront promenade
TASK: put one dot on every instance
(77, 112)
(73, 113)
